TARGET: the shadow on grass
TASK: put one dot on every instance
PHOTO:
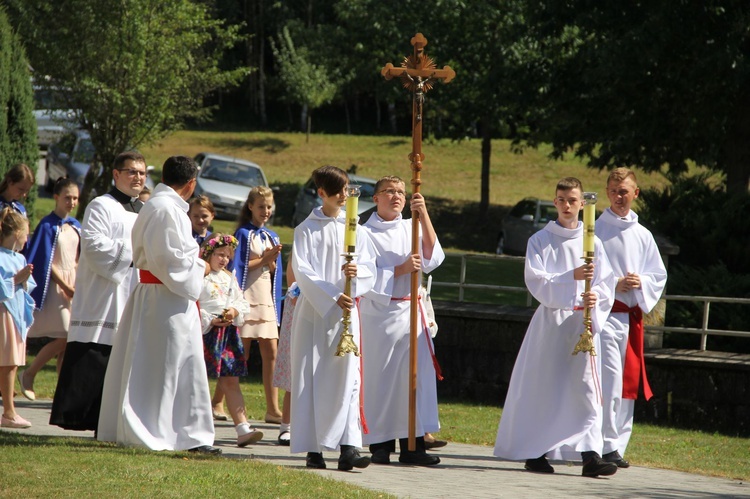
(395, 143)
(270, 145)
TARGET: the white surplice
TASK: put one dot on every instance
(325, 388)
(156, 389)
(386, 320)
(630, 247)
(105, 276)
(553, 404)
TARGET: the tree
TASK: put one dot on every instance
(17, 126)
(643, 84)
(306, 83)
(133, 69)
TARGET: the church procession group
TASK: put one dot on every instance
(142, 304)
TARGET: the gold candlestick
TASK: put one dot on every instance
(346, 343)
(586, 341)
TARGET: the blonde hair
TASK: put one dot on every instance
(620, 174)
(388, 178)
(257, 192)
(12, 222)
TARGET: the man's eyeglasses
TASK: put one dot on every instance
(132, 173)
(392, 192)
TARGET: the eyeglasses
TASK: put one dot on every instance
(131, 172)
(393, 192)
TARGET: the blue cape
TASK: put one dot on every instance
(41, 250)
(239, 264)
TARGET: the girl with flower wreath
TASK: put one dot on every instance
(257, 266)
(223, 309)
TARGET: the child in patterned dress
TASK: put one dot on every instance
(282, 374)
(223, 308)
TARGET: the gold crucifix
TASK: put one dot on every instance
(418, 73)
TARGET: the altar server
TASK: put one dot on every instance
(156, 389)
(553, 407)
(641, 277)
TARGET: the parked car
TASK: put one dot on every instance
(226, 181)
(71, 157)
(307, 197)
(523, 220)
(52, 117)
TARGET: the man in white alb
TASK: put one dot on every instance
(156, 389)
(641, 277)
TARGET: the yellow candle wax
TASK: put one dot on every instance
(350, 234)
(589, 216)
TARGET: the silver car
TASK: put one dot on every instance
(307, 198)
(523, 220)
(226, 181)
(52, 119)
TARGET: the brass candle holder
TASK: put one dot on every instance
(346, 342)
(586, 341)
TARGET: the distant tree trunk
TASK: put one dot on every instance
(357, 111)
(736, 157)
(392, 117)
(303, 115)
(309, 126)
(378, 114)
(262, 69)
(348, 118)
(484, 203)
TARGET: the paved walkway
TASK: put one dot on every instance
(465, 470)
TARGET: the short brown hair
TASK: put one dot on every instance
(121, 158)
(568, 183)
(620, 174)
(331, 179)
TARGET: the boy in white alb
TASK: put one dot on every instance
(641, 277)
(553, 406)
(386, 323)
(326, 406)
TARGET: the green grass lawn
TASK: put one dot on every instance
(710, 454)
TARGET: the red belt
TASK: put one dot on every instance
(148, 278)
(635, 367)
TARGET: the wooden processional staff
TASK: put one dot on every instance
(417, 73)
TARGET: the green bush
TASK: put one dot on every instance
(17, 125)
(712, 230)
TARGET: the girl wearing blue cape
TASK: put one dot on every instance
(16, 309)
(257, 266)
(53, 250)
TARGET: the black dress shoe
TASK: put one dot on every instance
(596, 466)
(315, 460)
(615, 457)
(350, 458)
(381, 456)
(539, 465)
(206, 449)
(434, 444)
(418, 458)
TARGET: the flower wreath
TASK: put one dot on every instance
(217, 241)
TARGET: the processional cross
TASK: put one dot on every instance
(418, 73)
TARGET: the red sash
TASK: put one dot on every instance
(426, 330)
(635, 366)
(148, 278)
